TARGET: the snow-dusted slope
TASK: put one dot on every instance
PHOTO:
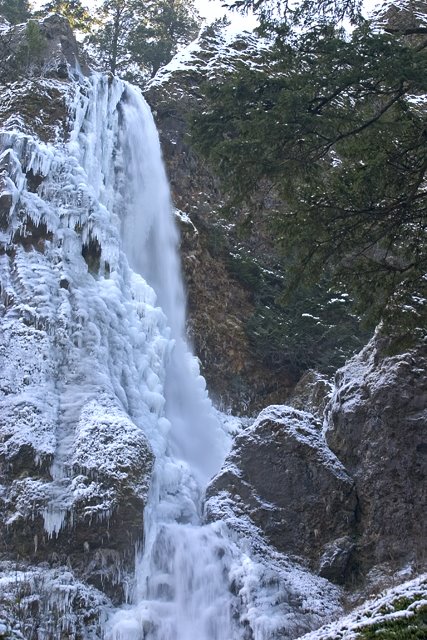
(218, 49)
(386, 614)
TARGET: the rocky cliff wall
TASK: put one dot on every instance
(219, 303)
(376, 423)
(75, 469)
(348, 502)
(350, 499)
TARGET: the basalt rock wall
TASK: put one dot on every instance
(349, 499)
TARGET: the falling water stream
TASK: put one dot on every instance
(182, 584)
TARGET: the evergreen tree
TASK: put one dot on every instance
(142, 34)
(334, 124)
(288, 13)
(76, 13)
(166, 25)
(15, 11)
(117, 19)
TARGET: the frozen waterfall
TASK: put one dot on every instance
(182, 577)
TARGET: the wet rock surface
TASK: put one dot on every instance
(219, 304)
(351, 500)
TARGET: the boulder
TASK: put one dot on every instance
(311, 393)
(376, 425)
(282, 475)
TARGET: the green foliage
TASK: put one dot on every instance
(313, 327)
(247, 270)
(167, 24)
(74, 10)
(116, 22)
(15, 11)
(137, 37)
(413, 627)
(283, 15)
(33, 45)
(331, 124)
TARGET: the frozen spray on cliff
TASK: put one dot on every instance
(182, 588)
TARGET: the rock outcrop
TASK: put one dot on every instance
(311, 393)
(90, 519)
(34, 107)
(377, 426)
(282, 475)
(350, 500)
(40, 48)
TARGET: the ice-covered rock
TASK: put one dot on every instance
(81, 356)
(43, 602)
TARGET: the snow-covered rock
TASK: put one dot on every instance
(282, 475)
(349, 499)
(81, 350)
(397, 612)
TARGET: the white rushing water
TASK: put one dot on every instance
(193, 581)
(182, 583)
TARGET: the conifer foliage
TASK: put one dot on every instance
(337, 126)
(15, 11)
(135, 36)
(74, 10)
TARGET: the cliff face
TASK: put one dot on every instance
(352, 499)
(82, 359)
(376, 425)
(347, 501)
(75, 466)
(219, 303)
(369, 518)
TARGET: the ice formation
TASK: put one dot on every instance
(105, 306)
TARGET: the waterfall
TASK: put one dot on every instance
(182, 576)
(106, 378)
(151, 245)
